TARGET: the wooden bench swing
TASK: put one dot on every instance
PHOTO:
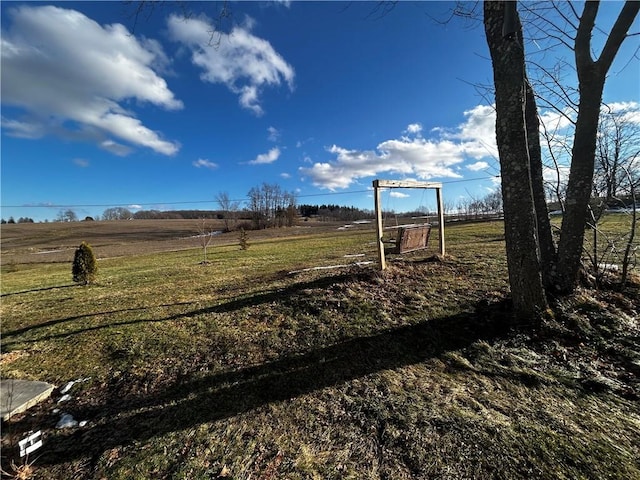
(409, 238)
(412, 237)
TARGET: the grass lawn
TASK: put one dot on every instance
(239, 369)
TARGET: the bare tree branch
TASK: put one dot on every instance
(618, 33)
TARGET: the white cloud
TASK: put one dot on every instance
(554, 121)
(81, 162)
(476, 167)
(414, 128)
(135, 207)
(241, 61)
(20, 129)
(115, 148)
(265, 158)
(478, 133)
(396, 194)
(89, 70)
(411, 156)
(203, 163)
(285, 175)
(552, 176)
(630, 111)
(274, 134)
(559, 126)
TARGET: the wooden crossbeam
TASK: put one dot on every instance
(405, 184)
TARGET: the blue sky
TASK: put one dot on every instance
(319, 97)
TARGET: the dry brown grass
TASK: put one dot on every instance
(239, 370)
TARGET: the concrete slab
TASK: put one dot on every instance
(16, 396)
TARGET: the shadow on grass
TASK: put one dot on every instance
(58, 321)
(251, 300)
(118, 421)
(43, 289)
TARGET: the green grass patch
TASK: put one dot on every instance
(239, 369)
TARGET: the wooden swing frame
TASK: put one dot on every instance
(377, 185)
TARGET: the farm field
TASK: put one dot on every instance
(56, 242)
(239, 368)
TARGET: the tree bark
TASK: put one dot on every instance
(591, 79)
(507, 55)
(545, 236)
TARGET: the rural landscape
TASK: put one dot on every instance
(320, 240)
(258, 364)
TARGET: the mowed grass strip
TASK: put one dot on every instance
(236, 369)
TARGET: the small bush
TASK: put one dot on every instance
(85, 267)
(243, 239)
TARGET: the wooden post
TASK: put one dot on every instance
(378, 184)
(378, 207)
(440, 220)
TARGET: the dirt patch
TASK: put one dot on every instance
(9, 357)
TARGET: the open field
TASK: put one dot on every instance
(239, 369)
(56, 242)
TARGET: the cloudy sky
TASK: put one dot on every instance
(103, 109)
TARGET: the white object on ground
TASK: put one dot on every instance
(67, 421)
(70, 384)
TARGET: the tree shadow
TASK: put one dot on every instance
(251, 300)
(51, 323)
(117, 421)
(43, 289)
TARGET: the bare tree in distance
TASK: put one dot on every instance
(615, 184)
(117, 213)
(67, 215)
(229, 209)
(270, 206)
(617, 169)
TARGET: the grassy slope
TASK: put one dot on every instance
(238, 370)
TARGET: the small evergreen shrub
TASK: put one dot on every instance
(243, 239)
(85, 267)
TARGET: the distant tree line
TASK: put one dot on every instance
(490, 204)
(333, 212)
(121, 213)
(20, 220)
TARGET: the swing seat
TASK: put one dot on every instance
(411, 238)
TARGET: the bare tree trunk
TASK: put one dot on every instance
(591, 79)
(545, 237)
(579, 189)
(507, 55)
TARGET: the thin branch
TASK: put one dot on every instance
(566, 19)
(545, 19)
(575, 13)
(564, 94)
(547, 137)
